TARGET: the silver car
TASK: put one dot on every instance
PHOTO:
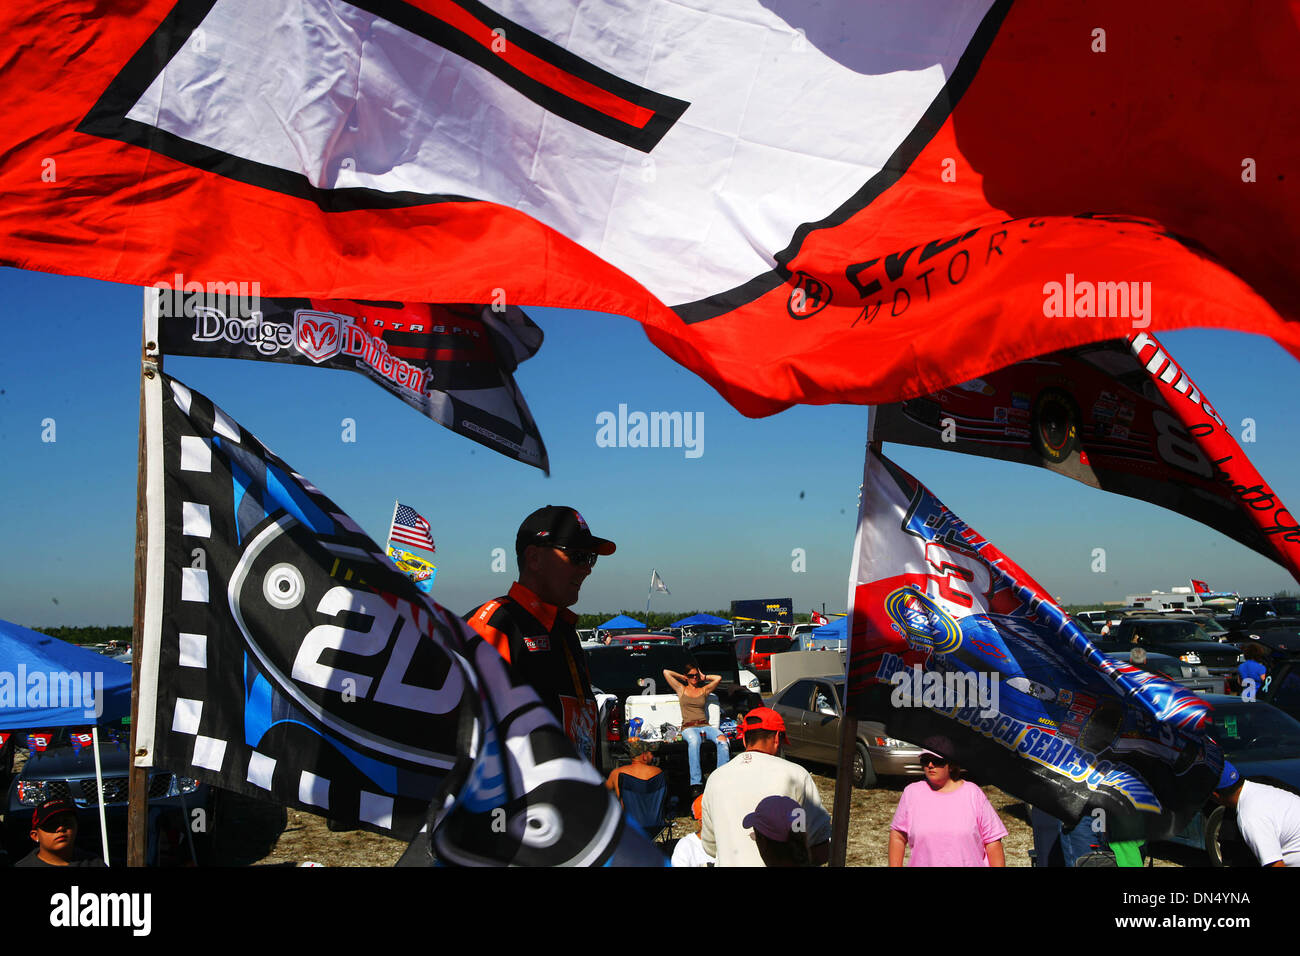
(811, 710)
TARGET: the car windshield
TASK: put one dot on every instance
(722, 664)
(1256, 731)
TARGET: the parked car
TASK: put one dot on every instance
(1251, 609)
(811, 708)
(629, 640)
(1183, 639)
(1195, 677)
(1262, 742)
(712, 638)
(756, 653)
(65, 770)
(1085, 625)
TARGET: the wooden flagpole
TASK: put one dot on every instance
(848, 720)
(137, 814)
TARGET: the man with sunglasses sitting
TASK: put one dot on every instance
(736, 789)
(532, 627)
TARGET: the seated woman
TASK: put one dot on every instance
(946, 821)
(693, 689)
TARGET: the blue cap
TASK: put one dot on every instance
(775, 817)
(1228, 777)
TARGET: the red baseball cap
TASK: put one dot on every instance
(762, 718)
(50, 809)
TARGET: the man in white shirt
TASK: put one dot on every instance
(689, 850)
(735, 790)
(1268, 818)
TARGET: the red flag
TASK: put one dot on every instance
(819, 619)
(1122, 416)
(894, 200)
(1200, 587)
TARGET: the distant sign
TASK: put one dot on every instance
(780, 610)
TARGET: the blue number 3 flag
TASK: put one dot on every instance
(285, 657)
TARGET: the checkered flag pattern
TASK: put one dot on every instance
(295, 663)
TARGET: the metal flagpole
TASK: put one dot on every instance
(848, 720)
(99, 788)
(137, 814)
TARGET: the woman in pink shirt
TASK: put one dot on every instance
(947, 821)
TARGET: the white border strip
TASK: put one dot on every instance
(155, 571)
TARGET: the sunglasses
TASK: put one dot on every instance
(933, 759)
(578, 557)
(694, 676)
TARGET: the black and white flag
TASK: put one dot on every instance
(285, 657)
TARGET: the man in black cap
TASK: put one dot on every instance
(532, 628)
(54, 831)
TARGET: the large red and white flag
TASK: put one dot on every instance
(846, 201)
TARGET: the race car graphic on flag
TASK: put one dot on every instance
(949, 636)
(453, 363)
(867, 190)
(286, 658)
(420, 571)
(1122, 416)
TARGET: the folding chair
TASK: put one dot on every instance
(644, 801)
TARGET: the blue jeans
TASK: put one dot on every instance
(693, 735)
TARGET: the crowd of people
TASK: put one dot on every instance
(757, 808)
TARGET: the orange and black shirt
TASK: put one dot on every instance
(540, 646)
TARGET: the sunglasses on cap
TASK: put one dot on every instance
(934, 759)
(578, 557)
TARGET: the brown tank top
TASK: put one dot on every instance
(695, 710)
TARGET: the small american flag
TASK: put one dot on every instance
(410, 528)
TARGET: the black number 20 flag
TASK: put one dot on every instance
(285, 657)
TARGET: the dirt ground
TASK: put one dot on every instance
(253, 833)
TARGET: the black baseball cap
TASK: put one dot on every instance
(50, 809)
(558, 525)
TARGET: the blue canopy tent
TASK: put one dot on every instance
(834, 636)
(622, 622)
(45, 683)
(698, 620)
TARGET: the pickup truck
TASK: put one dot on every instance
(627, 680)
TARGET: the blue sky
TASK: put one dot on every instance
(717, 527)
